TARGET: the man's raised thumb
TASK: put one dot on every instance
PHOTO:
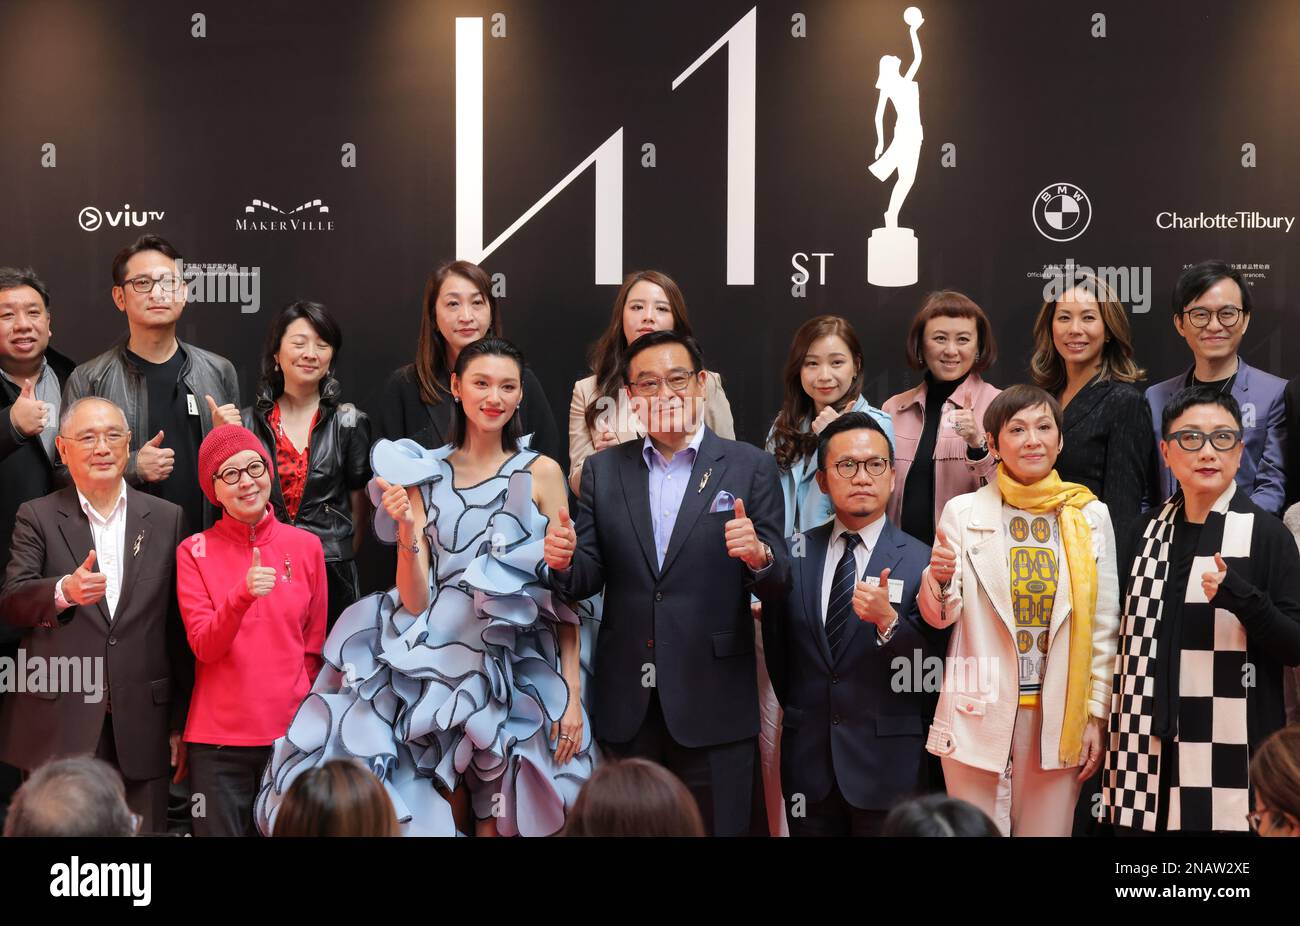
(739, 510)
(156, 440)
(89, 563)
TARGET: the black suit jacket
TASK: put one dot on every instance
(147, 665)
(686, 628)
(844, 721)
(26, 472)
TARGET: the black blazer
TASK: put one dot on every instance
(404, 414)
(26, 472)
(688, 628)
(1109, 447)
(844, 721)
(147, 663)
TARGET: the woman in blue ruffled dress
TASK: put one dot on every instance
(460, 686)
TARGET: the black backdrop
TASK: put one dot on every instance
(1150, 118)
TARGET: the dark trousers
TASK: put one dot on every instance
(720, 778)
(147, 797)
(341, 585)
(227, 778)
(832, 816)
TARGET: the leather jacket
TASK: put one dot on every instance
(113, 376)
(339, 463)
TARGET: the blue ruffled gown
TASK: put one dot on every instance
(465, 691)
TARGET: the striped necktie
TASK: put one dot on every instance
(839, 607)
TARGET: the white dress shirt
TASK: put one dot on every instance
(109, 537)
(861, 555)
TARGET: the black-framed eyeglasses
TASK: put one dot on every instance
(848, 469)
(143, 284)
(679, 381)
(1228, 316)
(1191, 440)
(232, 475)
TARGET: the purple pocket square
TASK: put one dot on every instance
(723, 501)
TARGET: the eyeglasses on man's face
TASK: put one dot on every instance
(848, 468)
(1228, 316)
(678, 381)
(1191, 439)
(145, 284)
(89, 440)
(232, 474)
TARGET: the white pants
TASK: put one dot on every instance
(1037, 802)
(769, 739)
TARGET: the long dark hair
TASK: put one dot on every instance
(792, 440)
(634, 797)
(322, 322)
(339, 798)
(489, 347)
(1047, 367)
(606, 355)
(431, 350)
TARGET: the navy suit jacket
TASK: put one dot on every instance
(1263, 410)
(844, 721)
(686, 629)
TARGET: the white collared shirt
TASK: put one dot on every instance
(109, 537)
(861, 554)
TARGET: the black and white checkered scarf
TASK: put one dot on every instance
(1208, 774)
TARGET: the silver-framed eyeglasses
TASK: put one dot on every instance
(144, 284)
(848, 469)
(678, 381)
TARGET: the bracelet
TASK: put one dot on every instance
(413, 549)
(888, 633)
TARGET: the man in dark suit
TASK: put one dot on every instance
(847, 650)
(31, 383)
(91, 581)
(675, 672)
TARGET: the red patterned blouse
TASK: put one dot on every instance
(291, 465)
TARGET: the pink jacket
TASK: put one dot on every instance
(255, 658)
(981, 680)
(953, 473)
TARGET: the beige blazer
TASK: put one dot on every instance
(976, 716)
(717, 415)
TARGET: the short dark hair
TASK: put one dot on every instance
(656, 338)
(143, 243)
(14, 277)
(937, 815)
(1197, 395)
(488, 347)
(325, 326)
(1196, 279)
(1014, 399)
(849, 421)
(948, 303)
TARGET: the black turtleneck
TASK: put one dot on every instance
(917, 516)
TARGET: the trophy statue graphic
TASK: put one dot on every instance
(891, 251)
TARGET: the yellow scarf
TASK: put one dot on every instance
(1066, 499)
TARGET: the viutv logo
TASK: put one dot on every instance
(1062, 212)
(92, 218)
(260, 215)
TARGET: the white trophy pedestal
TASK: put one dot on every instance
(891, 257)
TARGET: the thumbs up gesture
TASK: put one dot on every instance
(85, 586)
(742, 539)
(222, 414)
(561, 541)
(29, 415)
(1210, 581)
(943, 561)
(871, 602)
(260, 579)
(154, 462)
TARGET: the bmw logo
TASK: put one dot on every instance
(1062, 212)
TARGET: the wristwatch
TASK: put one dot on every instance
(884, 636)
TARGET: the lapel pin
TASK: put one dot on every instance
(704, 480)
(288, 570)
(139, 539)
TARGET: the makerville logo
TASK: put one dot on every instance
(260, 215)
(1062, 212)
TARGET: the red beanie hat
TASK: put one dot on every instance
(220, 445)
